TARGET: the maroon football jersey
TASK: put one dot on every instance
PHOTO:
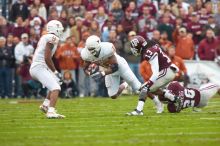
(163, 60)
(189, 97)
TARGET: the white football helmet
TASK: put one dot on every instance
(93, 44)
(55, 27)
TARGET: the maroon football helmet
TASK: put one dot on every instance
(137, 44)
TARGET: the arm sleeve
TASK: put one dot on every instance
(154, 67)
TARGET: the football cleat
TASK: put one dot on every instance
(43, 108)
(160, 108)
(54, 115)
(135, 113)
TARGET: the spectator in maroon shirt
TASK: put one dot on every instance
(151, 6)
(184, 17)
(134, 10)
(19, 8)
(128, 22)
(203, 17)
(33, 14)
(93, 6)
(208, 46)
(88, 18)
(18, 27)
(195, 28)
(4, 27)
(64, 17)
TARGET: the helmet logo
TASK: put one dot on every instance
(134, 42)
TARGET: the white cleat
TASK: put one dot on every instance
(160, 108)
(43, 108)
(135, 113)
(54, 115)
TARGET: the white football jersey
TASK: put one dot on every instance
(39, 53)
(107, 50)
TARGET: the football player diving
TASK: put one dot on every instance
(189, 97)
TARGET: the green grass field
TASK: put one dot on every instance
(102, 121)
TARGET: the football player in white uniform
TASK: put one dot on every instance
(43, 69)
(114, 66)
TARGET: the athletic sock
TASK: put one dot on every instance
(125, 84)
(46, 102)
(51, 109)
(169, 96)
(140, 105)
(156, 100)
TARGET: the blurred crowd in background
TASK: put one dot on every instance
(185, 29)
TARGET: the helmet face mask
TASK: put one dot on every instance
(135, 51)
(93, 45)
(55, 27)
(137, 44)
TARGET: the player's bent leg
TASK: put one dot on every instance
(207, 91)
(123, 86)
(44, 106)
(112, 84)
(139, 109)
(51, 113)
(158, 104)
(48, 79)
(126, 73)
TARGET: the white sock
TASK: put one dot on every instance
(51, 109)
(140, 105)
(169, 96)
(156, 100)
(46, 102)
(125, 84)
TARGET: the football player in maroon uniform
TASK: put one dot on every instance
(190, 97)
(162, 68)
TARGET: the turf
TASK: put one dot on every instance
(102, 121)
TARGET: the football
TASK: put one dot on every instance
(92, 68)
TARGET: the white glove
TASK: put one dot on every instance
(58, 77)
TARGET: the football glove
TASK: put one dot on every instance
(98, 75)
(146, 86)
(58, 77)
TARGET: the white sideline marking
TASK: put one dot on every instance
(100, 130)
(13, 102)
(210, 118)
(122, 134)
